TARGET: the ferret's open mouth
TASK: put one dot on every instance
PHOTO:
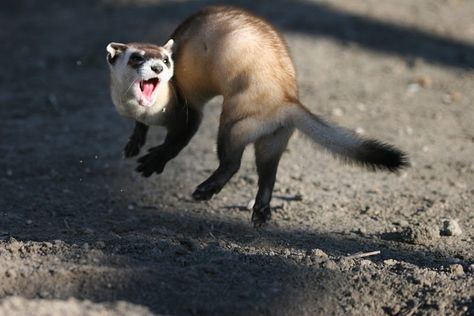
(147, 88)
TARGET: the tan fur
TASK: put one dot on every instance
(229, 52)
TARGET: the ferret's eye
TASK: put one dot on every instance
(136, 59)
(166, 60)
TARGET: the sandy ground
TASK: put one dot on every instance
(82, 234)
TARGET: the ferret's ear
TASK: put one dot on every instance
(169, 46)
(114, 50)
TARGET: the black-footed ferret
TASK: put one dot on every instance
(226, 51)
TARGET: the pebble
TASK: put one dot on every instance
(307, 261)
(450, 227)
(360, 130)
(395, 310)
(471, 267)
(361, 231)
(13, 245)
(318, 253)
(413, 88)
(420, 235)
(451, 97)
(424, 81)
(390, 262)
(330, 265)
(250, 205)
(456, 269)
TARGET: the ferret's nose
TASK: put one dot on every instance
(157, 68)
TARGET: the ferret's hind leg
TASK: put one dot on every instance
(236, 131)
(268, 151)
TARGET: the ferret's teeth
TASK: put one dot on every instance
(141, 85)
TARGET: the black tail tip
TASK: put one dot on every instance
(380, 156)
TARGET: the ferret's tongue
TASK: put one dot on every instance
(148, 86)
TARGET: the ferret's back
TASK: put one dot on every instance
(223, 49)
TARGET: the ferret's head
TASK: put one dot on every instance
(138, 71)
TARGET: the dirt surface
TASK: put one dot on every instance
(82, 234)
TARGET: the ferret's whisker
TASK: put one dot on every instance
(129, 87)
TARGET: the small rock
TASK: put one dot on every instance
(365, 262)
(307, 261)
(395, 310)
(456, 269)
(471, 267)
(451, 97)
(286, 252)
(390, 262)
(420, 235)
(250, 205)
(330, 265)
(360, 130)
(401, 223)
(424, 81)
(13, 245)
(319, 253)
(413, 88)
(361, 231)
(450, 227)
(346, 264)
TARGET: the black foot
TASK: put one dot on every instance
(205, 191)
(261, 215)
(153, 162)
(132, 148)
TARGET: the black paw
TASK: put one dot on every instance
(132, 148)
(261, 215)
(205, 191)
(151, 163)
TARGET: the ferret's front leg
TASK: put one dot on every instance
(179, 134)
(136, 140)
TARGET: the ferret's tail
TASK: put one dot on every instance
(346, 145)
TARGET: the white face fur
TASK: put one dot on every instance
(139, 77)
